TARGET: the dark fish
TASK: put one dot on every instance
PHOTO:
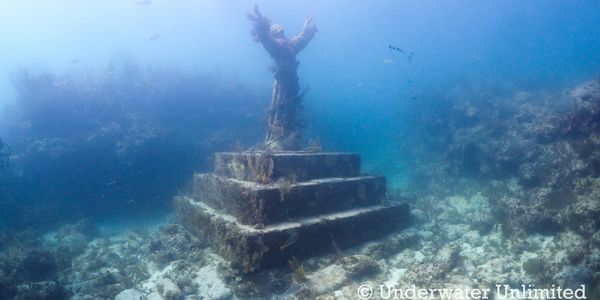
(396, 49)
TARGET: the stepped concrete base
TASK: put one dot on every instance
(265, 167)
(263, 204)
(250, 249)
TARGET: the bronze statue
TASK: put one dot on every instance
(283, 132)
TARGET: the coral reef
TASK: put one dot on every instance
(77, 261)
(31, 265)
(539, 174)
(147, 261)
(523, 169)
(506, 191)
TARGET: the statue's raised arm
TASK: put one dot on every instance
(305, 35)
(261, 30)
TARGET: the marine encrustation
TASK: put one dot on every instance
(283, 130)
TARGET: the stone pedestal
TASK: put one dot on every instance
(258, 209)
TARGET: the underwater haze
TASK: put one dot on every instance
(500, 42)
(485, 114)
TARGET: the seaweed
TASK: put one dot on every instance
(298, 270)
(285, 186)
(337, 252)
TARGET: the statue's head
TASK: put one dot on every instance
(277, 31)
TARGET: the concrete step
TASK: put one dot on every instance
(266, 167)
(250, 249)
(262, 204)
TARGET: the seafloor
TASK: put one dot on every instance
(506, 191)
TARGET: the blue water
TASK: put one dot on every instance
(361, 93)
(487, 112)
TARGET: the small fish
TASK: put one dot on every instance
(143, 2)
(396, 49)
(152, 36)
(290, 241)
(111, 183)
(408, 56)
(388, 61)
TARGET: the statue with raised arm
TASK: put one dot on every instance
(283, 132)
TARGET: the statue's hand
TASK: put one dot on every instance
(307, 20)
(256, 11)
(255, 15)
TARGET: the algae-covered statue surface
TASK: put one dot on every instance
(283, 132)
